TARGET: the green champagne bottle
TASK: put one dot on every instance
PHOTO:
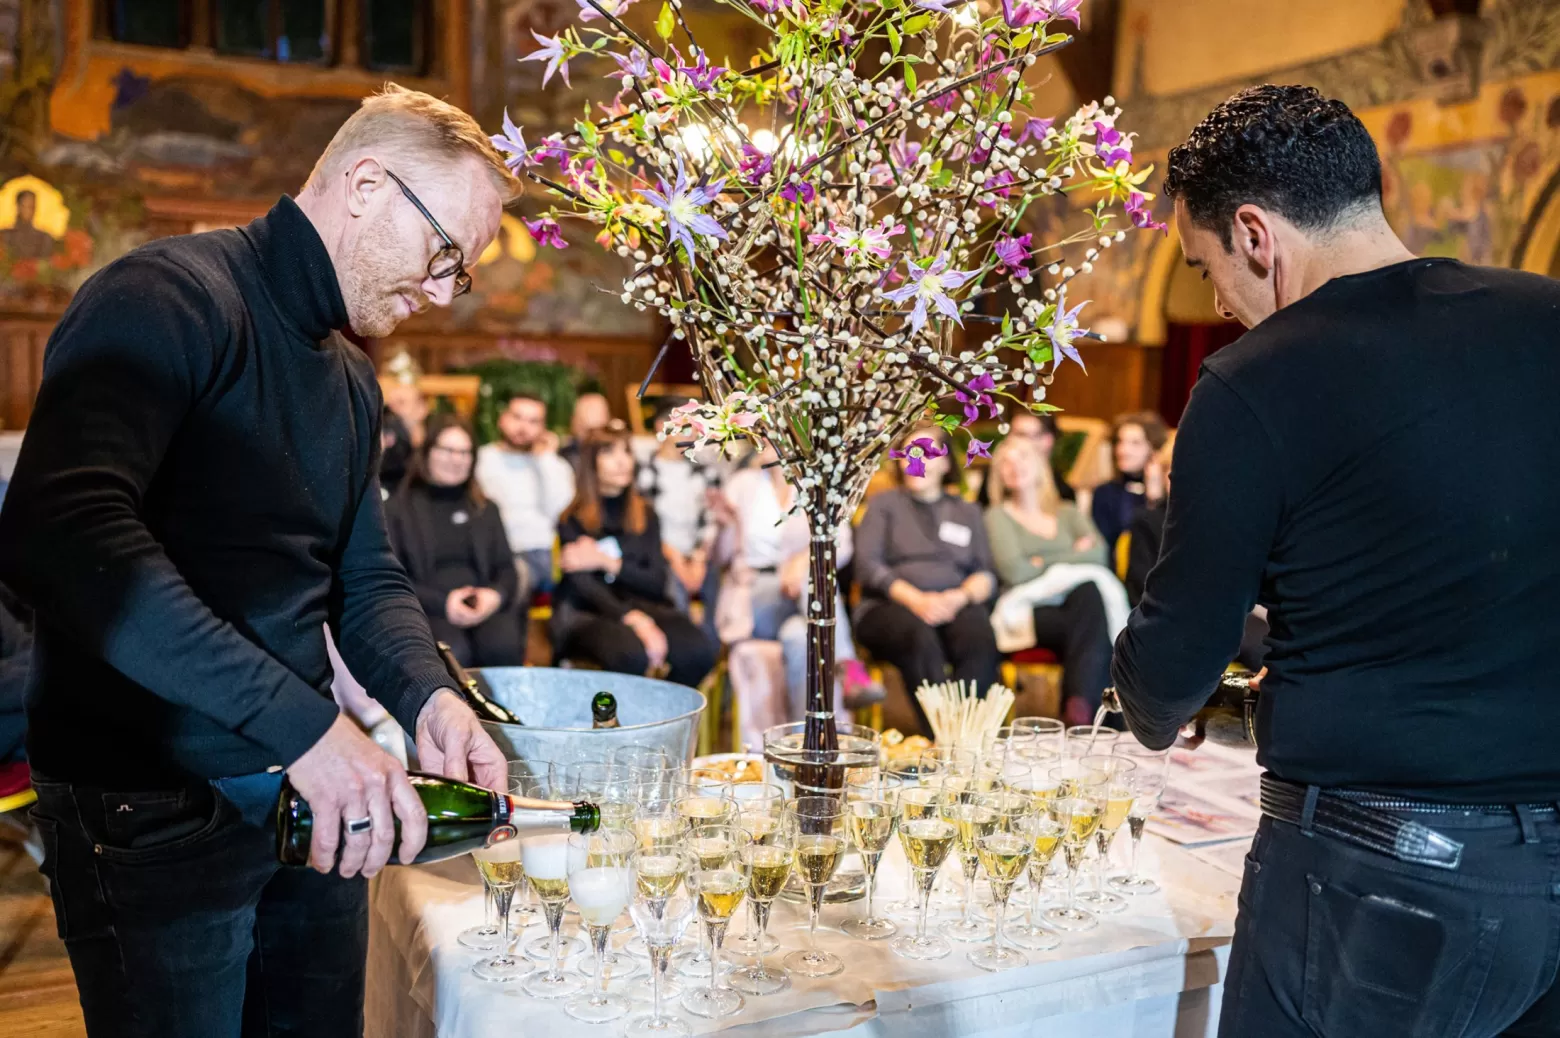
(603, 710)
(469, 689)
(461, 818)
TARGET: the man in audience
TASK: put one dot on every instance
(195, 500)
(522, 474)
(591, 412)
(1402, 877)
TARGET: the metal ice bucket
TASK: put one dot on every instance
(555, 706)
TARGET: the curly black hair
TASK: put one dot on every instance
(1287, 149)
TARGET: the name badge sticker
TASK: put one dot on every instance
(955, 534)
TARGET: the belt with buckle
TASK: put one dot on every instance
(1337, 814)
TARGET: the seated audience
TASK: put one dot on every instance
(1040, 430)
(1147, 533)
(678, 488)
(612, 605)
(591, 412)
(925, 572)
(1134, 438)
(451, 541)
(522, 474)
(770, 560)
(1031, 529)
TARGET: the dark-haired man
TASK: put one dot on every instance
(522, 473)
(1375, 462)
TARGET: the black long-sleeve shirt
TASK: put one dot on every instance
(195, 499)
(1378, 464)
(445, 541)
(642, 578)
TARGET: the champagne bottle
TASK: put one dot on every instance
(468, 689)
(461, 818)
(1229, 718)
(603, 710)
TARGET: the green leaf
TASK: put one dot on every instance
(665, 22)
(917, 24)
(1041, 407)
(893, 40)
(1022, 40)
(588, 133)
(909, 79)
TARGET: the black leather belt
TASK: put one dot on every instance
(1362, 820)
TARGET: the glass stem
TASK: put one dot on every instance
(717, 934)
(969, 893)
(1034, 896)
(658, 958)
(598, 937)
(924, 885)
(554, 911)
(501, 899)
(1102, 842)
(1072, 889)
(761, 922)
(1137, 837)
(816, 909)
(996, 931)
(869, 864)
(488, 925)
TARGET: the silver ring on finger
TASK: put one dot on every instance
(359, 826)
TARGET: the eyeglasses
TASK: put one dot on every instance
(458, 452)
(449, 261)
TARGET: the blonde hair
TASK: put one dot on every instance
(411, 124)
(1045, 482)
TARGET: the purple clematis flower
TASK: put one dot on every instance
(551, 147)
(1013, 254)
(801, 191)
(635, 65)
(1141, 213)
(873, 240)
(547, 232)
(940, 6)
(978, 449)
(552, 53)
(755, 165)
(904, 153)
(1034, 129)
(682, 203)
(976, 396)
(513, 143)
(1064, 10)
(1111, 146)
(931, 284)
(702, 74)
(916, 452)
(613, 7)
(1020, 13)
(1063, 329)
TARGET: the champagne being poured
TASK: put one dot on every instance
(1229, 718)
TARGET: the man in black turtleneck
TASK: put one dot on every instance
(195, 501)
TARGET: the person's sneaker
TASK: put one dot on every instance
(860, 690)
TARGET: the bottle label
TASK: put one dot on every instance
(501, 833)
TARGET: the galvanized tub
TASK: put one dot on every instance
(555, 706)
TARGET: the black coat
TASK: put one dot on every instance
(412, 517)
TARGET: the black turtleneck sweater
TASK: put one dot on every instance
(642, 579)
(195, 499)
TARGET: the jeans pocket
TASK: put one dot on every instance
(158, 825)
(1377, 964)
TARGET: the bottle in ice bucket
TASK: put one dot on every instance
(469, 689)
(603, 710)
(1229, 718)
(461, 818)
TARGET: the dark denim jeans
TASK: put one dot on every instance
(180, 923)
(1335, 941)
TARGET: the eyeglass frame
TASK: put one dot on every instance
(459, 272)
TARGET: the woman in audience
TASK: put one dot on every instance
(1134, 438)
(926, 579)
(1032, 529)
(451, 541)
(612, 606)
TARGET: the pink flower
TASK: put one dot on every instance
(1141, 213)
(547, 232)
(978, 449)
(755, 165)
(872, 240)
(512, 142)
(801, 191)
(1013, 253)
(916, 452)
(1111, 145)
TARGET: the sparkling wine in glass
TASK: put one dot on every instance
(661, 923)
(1003, 854)
(546, 863)
(706, 814)
(659, 871)
(719, 888)
(871, 825)
(1045, 836)
(499, 864)
(1079, 817)
(926, 841)
(1117, 792)
(1146, 791)
(819, 824)
(601, 885)
(767, 866)
(760, 813)
(973, 817)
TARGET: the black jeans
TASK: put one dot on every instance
(1336, 941)
(498, 641)
(921, 653)
(180, 923)
(1079, 634)
(612, 644)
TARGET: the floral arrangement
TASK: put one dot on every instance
(838, 231)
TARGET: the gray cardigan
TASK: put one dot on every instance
(932, 546)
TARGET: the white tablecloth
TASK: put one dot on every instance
(1154, 970)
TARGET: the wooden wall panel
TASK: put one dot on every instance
(22, 339)
(1121, 377)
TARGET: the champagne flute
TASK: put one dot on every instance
(760, 813)
(658, 872)
(484, 938)
(926, 840)
(1003, 854)
(1049, 733)
(599, 882)
(1044, 835)
(717, 882)
(1149, 762)
(1078, 817)
(546, 863)
(1117, 789)
(499, 863)
(1085, 739)
(650, 758)
(820, 844)
(698, 807)
(551, 946)
(1146, 791)
(661, 923)
(767, 866)
(527, 776)
(870, 823)
(973, 819)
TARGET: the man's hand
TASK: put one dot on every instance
(345, 776)
(488, 601)
(649, 634)
(547, 442)
(458, 612)
(451, 742)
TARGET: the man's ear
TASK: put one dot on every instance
(1255, 238)
(365, 178)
